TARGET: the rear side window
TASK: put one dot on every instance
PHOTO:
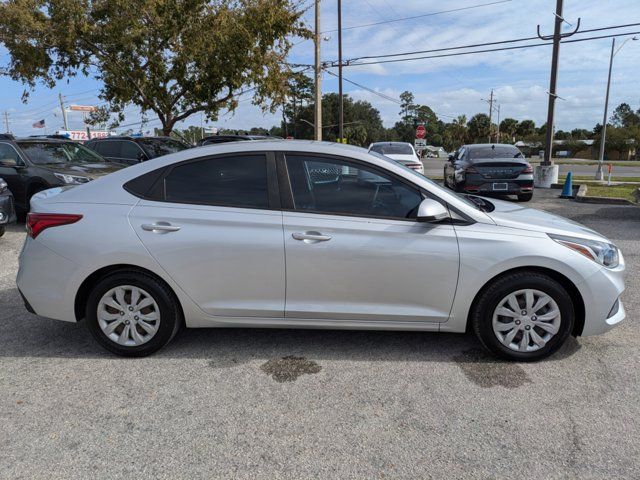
(238, 181)
(108, 148)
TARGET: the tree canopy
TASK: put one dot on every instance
(170, 57)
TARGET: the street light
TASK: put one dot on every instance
(603, 136)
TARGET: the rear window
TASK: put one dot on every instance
(392, 149)
(156, 147)
(238, 181)
(494, 151)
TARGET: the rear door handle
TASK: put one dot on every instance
(160, 227)
(311, 237)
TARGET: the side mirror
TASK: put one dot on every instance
(9, 162)
(431, 211)
(142, 157)
(451, 157)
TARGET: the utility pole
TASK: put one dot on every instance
(318, 73)
(6, 121)
(341, 119)
(546, 173)
(498, 124)
(64, 112)
(603, 135)
(490, 113)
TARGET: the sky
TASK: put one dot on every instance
(451, 86)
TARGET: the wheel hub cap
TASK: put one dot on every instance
(526, 320)
(128, 315)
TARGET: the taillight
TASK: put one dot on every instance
(37, 222)
(529, 169)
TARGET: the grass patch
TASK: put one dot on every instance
(615, 191)
(589, 178)
(570, 161)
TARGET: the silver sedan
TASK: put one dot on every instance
(309, 235)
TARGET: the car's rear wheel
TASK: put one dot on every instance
(132, 314)
(523, 316)
(2, 230)
(525, 197)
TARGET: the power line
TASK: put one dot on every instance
(517, 47)
(485, 44)
(393, 20)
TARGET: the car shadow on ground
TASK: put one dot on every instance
(25, 335)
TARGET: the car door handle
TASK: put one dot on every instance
(161, 227)
(311, 237)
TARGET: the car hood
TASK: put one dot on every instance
(404, 158)
(90, 170)
(508, 214)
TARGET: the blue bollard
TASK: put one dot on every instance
(567, 190)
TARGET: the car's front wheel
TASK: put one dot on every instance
(523, 316)
(2, 230)
(132, 314)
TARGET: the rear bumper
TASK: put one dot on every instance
(479, 184)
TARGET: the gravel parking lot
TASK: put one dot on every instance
(320, 404)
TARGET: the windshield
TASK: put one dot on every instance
(156, 147)
(494, 151)
(392, 148)
(50, 153)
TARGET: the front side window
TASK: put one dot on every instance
(237, 181)
(7, 152)
(130, 151)
(55, 153)
(342, 187)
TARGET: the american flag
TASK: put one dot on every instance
(39, 124)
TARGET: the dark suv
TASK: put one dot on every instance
(30, 165)
(132, 150)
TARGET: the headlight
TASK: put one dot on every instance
(71, 179)
(601, 252)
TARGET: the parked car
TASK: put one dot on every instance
(484, 168)
(132, 150)
(214, 139)
(7, 211)
(30, 165)
(401, 152)
(196, 238)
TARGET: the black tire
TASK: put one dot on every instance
(2, 230)
(170, 312)
(525, 197)
(490, 297)
(32, 191)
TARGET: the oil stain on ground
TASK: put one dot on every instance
(289, 368)
(487, 372)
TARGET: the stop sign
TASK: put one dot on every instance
(421, 132)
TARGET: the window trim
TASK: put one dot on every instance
(273, 196)
(286, 192)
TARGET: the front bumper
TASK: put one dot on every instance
(7, 210)
(600, 293)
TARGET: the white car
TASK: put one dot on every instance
(291, 234)
(401, 152)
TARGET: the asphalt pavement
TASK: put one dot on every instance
(433, 167)
(269, 404)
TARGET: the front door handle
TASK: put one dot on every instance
(160, 227)
(311, 237)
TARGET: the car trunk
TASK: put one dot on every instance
(499, 170)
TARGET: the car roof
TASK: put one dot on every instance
(45, 139)
(390, 143)
(485, 145)
(129, 137)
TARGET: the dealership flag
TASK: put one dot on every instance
(39, 124)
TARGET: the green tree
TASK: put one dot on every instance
(455, 133)
(479, 128)
(580, 134)
(624, 116)
(170, 57)
(508, 128)
(525, 129)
